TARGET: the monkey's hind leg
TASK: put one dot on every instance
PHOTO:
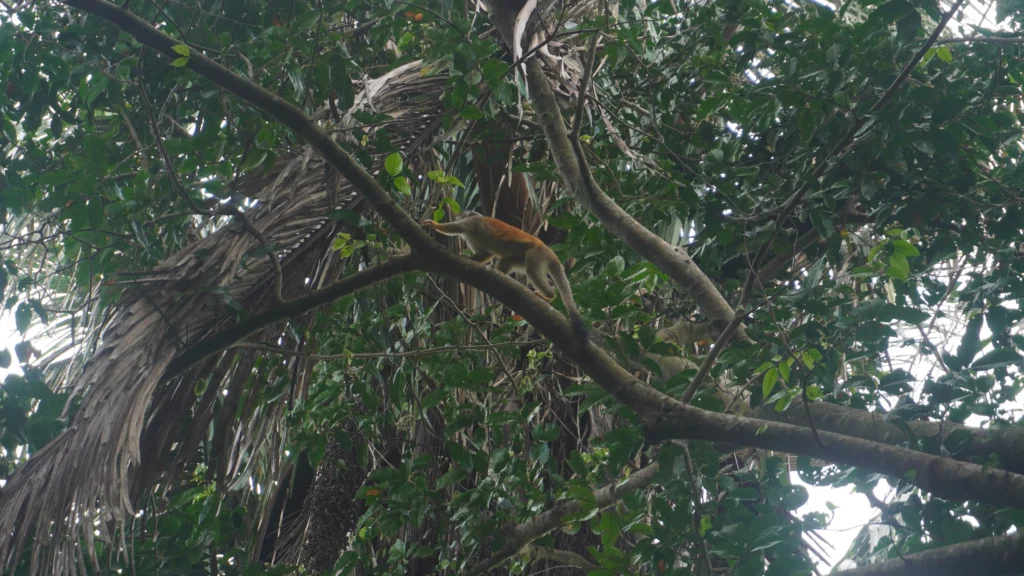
(509, 265)
(482, 257)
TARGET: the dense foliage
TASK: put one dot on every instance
(347, 439)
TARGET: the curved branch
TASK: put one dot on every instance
(563, 557)
(990, 556)
(572, 167)
(520, 536)
(1007, 444)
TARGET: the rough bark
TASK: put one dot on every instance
(943, 477)
(970, 444)
(989, 556)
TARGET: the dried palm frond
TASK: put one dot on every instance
(81, 485)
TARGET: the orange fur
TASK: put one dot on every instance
(515, 250)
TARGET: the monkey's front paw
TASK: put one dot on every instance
(428, 223)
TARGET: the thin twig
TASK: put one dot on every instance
(563, 557)
(312, 58)
(692, 473)
(983, 39)
(807, 410)
(581, 99)
(709, 360)
(410, 353)
(138, 141)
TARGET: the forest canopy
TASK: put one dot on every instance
(793, 229)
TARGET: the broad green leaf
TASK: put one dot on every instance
(393, 164)
(471, 113)
(23, 317)
(402, 185)
(905, 248)
(768, 384)
(998, 358)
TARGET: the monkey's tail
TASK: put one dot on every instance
(579, 327)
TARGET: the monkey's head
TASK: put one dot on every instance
(466, 214)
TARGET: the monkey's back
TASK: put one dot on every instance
(503, 240)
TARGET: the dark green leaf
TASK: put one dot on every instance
(997, 358)
(23, 317)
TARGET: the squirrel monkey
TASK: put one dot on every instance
(515, 251)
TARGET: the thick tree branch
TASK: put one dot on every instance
(564, 557)
(523, 534)
(990, 556)
(943, 477)
(576, 175)
(979, 444)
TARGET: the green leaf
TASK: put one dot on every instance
(305, 21)
(402, 185)
(97, 219)
(393, 164)
(185, 53)
(905, 248)
(890, 12)
(944, 54)
(577, 464)
(471, 113)
(265, 138)
(37, 306)
(806, 123)
(494, 70)
(254, 159)
(899, 268)
(810, 357)
(462, 58)
(998, 358)
(822, 223)
(770, 378)
(23, 317)
(55, 178)
(947, 109)
(453, 475)
(341, 81)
